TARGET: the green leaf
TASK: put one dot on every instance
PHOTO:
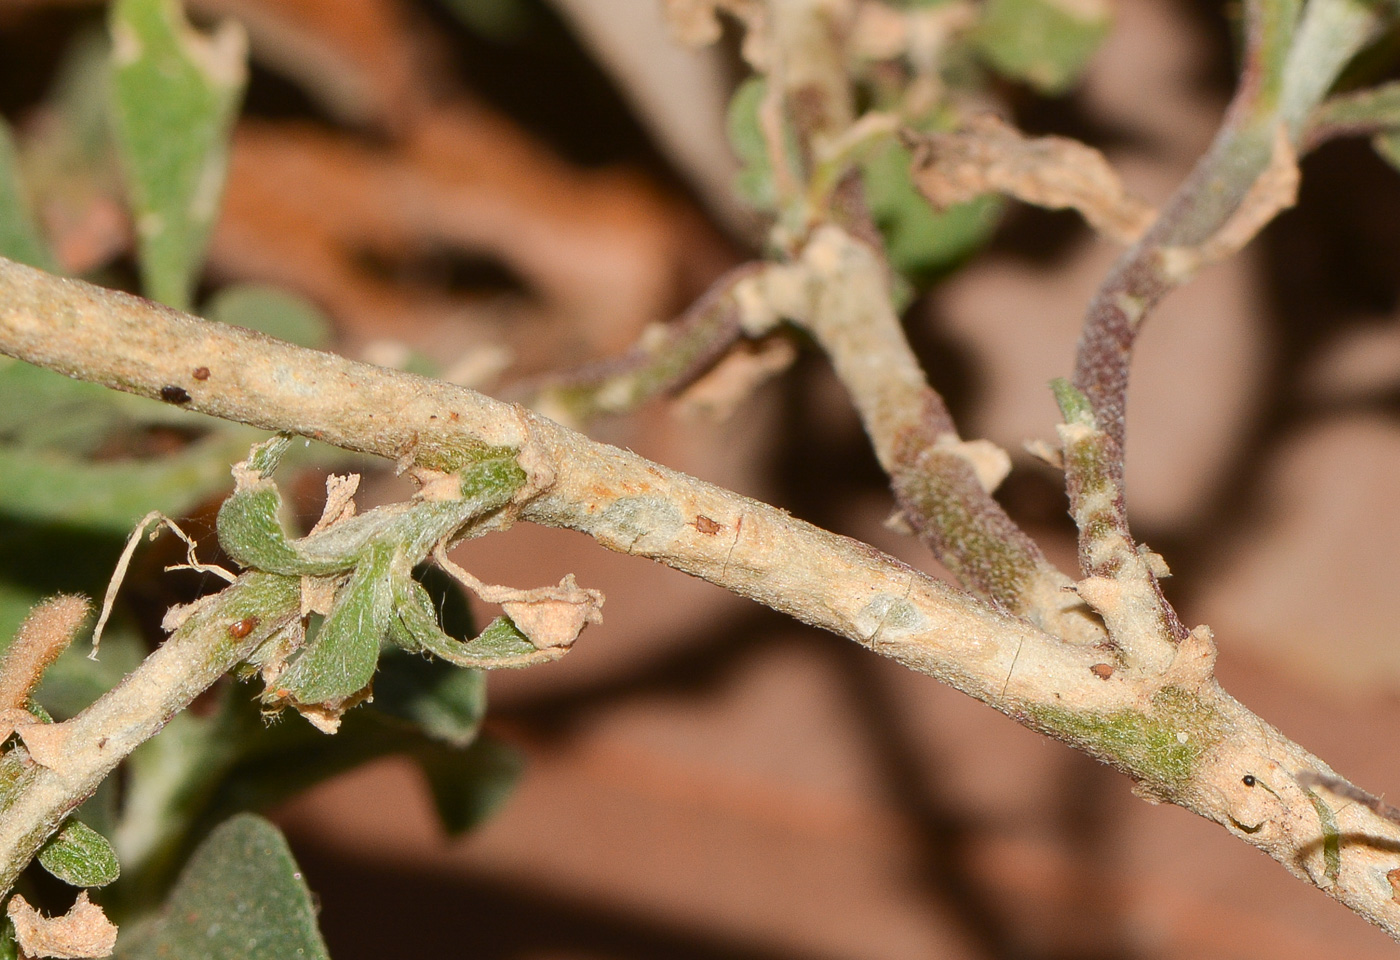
(110, 497)
(919, 241)
(340, 659)
(755, 181)
(1046, 43)
(240, 897)
(174, 97)
(80, 856)
(469, 786)
(445, 702)
(19, 237)
(9, 950)
(274, 312)
(1074, 406)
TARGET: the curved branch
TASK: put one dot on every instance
(1176, 732)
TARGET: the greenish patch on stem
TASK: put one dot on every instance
(1160, 746)
(982, 557)
(452, 454)
(1074, 406)
(1331, 837)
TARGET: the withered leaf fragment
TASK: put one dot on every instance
(988, 155)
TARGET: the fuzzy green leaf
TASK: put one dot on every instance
(250, 529)
(175, 94)
(1046, 43)
(108, 497)
(240, 897)
(469, 786)
(414, 627)
(755, 181)
(19, 237)
(80, 856)
(919, 241)
(340, 659)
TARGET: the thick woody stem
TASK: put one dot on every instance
(1177, 733)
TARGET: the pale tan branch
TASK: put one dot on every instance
(1175, 731)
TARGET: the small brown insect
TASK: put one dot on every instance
(707, 526)
(201, 373)
(1102, 670)
(242, 628)
(174, 394)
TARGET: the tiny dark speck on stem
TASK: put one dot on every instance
(1248, 780)
(174, 394)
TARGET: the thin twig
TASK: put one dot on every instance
(667, 360)
(1248, 175)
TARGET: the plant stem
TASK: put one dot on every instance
(92, 743)
(1177, 733)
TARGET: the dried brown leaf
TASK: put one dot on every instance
(553, 617)
(733, 380)
(82, 932)
(340, 501)
(550, 617)
(45, 633)
(47, 743)
(988, 155)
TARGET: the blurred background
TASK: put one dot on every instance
(492, 189)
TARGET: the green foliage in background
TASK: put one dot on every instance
(1045, 43)
(240, 897)
(167, 78)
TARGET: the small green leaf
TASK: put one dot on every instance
(174, 97)
(274, 312)
(240, 897)
(469, 786)
(1046, 43)
(340, 659)
(109, 496)
(250, 531)
(755, 181)
(19, 237)
(919, 241)
(80, 856)
(1074, 406)
(9, 950)
(1374, 107)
